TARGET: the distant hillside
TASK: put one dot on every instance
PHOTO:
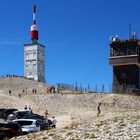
(18, 84)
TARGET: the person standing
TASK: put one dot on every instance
(10, 92)
(26, 89)
(30, 109)
(35, 91)
(46, 114)
(19, 95)
(54, 121)
(25, 107)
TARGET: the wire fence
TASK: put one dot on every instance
(79, 88)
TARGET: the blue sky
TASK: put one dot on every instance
(75, 32)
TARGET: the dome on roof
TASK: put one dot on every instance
(34, 28)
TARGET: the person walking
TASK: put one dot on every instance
(98, 109)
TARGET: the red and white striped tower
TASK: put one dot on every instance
(34, 28)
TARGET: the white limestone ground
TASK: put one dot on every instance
(103, 128)
(76, 113)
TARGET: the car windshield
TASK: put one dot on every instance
(23, 123)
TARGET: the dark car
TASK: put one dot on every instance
(9, 129)
(33, 116)
(1, 109)
(20, 113)
(5, 113)
(44, 125)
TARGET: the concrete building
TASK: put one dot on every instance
(34, 55)
(125, 60)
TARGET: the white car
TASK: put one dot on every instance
(28, 125)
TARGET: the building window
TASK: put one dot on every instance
(26, 55)
(26, 67)
(34, 55)
(30, 67)
(34, 66)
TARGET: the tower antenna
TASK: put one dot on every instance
(130, 31)
(34, 28)
(34, 13)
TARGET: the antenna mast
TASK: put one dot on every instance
(34, 28)
(130, 31)
(34, 13)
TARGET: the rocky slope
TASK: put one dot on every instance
(125, 126)
(76, 113)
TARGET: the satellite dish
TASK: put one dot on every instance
(117, 37)
(114, 39)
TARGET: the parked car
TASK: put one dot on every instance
(19, 114)
(28, 125)
(1, 109)
(32, 125)
(5, 113)
(44, 125)
(38, 117)
(9, 129)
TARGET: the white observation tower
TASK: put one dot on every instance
(34, 55)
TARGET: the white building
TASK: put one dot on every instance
(34, 62)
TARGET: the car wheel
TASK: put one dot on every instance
(25, 133)
(39, 128)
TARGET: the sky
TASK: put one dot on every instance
(75, 32)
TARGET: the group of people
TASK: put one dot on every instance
(51, 89)
(54, 121)
(51, 122)
(34, 91)
(24, 90)
(28, 108)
